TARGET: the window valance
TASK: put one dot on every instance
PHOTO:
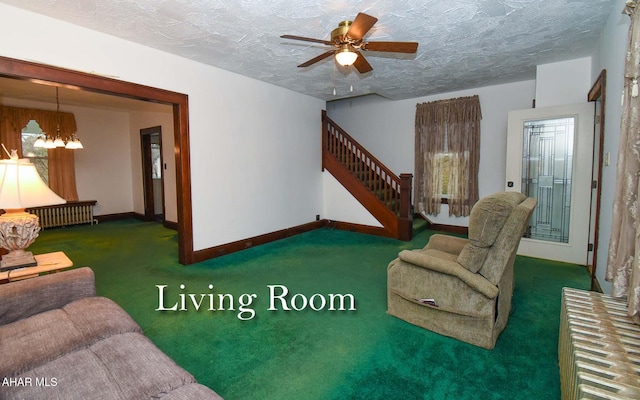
(14, 119)
(62, 174)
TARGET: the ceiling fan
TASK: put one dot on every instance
(348, 41)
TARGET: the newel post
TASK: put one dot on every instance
(405, 222)
(325, 144)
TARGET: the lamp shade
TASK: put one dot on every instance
(21, 186)
(58, 142)
(39, 142)
(345, 56)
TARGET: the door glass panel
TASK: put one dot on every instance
(156, 164)
(547, 160)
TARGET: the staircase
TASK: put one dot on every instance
(385, 195)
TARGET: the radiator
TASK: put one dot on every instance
(71, 213)
(598, 348)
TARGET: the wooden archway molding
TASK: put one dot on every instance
(46, 74)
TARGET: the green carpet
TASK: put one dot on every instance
(308, 354)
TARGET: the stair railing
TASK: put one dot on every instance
(392, 191)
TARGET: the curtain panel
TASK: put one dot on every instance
(623, 264)
(62, 175)
(447, 126)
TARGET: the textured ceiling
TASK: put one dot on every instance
(462, 43)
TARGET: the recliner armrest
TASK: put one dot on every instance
(475, 281)
(22, 299)
(449, 244)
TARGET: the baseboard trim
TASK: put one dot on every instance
(239, 245)
(461, 230)
(232, 247)
(352, 227)
(170, 225)
(595, 286)
(115, 217)
(128, 215)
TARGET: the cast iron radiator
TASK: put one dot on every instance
(598, 348)
(71, 213)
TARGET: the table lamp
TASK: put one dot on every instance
(21, 187)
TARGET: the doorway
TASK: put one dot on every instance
(45, 74)
(152, 173)
(549, 157)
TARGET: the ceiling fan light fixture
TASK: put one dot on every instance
(348, 42)
(345, 56)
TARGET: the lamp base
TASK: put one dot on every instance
(17, 259)
(18, 229)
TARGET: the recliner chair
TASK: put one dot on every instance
(458, 287)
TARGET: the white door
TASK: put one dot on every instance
(549, 157)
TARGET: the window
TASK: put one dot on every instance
(156, 161)
(444, 169)
(37, 155)
(447, 155)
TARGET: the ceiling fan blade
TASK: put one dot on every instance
(395, 47)
(306, 39)
(362, 65)
(318, 58)
(361, 26)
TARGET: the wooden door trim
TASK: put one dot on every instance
(598, 92)
(147, 174)
(56, 76)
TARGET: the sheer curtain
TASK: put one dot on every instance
(447, 129)
(623, 267)
(62, 174)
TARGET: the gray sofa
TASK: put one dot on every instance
(58, 340)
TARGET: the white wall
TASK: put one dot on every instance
(610, 56)
(562, 83)
(340, 205)
(242, 131)
(103, 167)
(387, 129)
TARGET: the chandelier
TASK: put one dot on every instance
(69, 142)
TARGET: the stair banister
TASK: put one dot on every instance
(393, 193)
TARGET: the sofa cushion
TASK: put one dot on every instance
(32, 341)
(98, 318)
(487, 218)
(22, 299)
(43, 337)
(125, 366)
(138, 367)
(75, 375)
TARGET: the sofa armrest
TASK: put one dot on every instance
(449, 244)
(475, 281)
(22, 299)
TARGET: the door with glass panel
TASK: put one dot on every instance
(549, 158)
